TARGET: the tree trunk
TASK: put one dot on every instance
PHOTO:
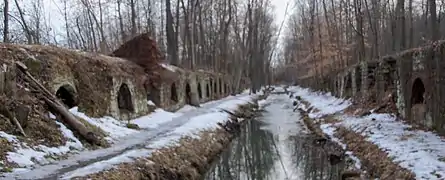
(121, 22)
(171, 44)
(24, 24)
(5, 21)
(433, 19)
(133, 18)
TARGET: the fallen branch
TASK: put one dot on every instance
(57, 106)
(381, 106)
(388, 101)
(12, 118)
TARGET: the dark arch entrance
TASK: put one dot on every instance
(199, 91)
(153, 94)
(67, 95)
(173, 93)
(418, 90)
(215, 87)
(348, 85)
(358, 78)
(220, 86)
(207, 90)
(211, 85)
(124, 100)
(188, 94)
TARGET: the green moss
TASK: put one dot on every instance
(6, 169)
(34, 66)
(133, 126)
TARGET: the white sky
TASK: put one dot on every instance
(280, 10)
(280, 16)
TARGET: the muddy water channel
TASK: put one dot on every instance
(275, 146)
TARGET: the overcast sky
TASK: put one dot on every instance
(280, 16)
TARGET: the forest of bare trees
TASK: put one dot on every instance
(228, 36)
(325, 36)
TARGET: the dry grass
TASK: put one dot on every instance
(5, 147)
(39, 128)
(187, 161)
(376, 162)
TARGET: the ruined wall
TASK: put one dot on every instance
(204, 83)
(416, 78)
(101, 85)
(138, 98)
(172, 96)
(211, 87)
(88, 79)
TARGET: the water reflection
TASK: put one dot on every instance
(273, 152)
(251, 156)
(312, 161)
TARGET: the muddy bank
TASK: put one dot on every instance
(336, 153)
(375, 163)
(188, 160)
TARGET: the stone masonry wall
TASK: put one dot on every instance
(101, 85)
(416, 77)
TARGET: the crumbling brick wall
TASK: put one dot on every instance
(403, 74)
(138, 99)
(170, 89)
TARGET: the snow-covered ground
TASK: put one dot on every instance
(158, 129)
(325, 103)
(419, 151)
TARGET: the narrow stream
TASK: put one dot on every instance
(276, 146)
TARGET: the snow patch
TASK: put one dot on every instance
(154, 119)
(128, 156)
(416, 150)
(186, 108)
(73, 141)
(151, 103)
(262, 103)
(324, 102)
(169, 67)
(200, 123)
(233, 104)
(10, 138)
(25, 156)
(113, 127)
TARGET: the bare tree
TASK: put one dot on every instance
(5, 21)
